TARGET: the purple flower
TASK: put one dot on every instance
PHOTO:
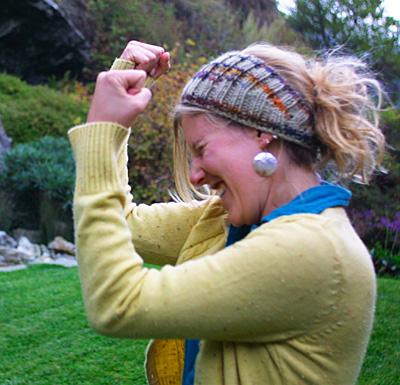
(395, 225)
(385, 222)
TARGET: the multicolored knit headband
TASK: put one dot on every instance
(244, 89)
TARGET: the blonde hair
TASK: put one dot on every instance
(344, 100)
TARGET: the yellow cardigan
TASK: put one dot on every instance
(290, 304)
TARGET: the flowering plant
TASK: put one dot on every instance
(381, 235)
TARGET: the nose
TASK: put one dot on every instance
(197, 174)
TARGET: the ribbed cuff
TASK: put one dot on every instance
(96, 148)
(121, 64)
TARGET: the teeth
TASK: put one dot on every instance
(221, 189)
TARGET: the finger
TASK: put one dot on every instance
(137, 52)
(164, 65)
(133, 80)
(155, 49)
(145, 60)
(142, 98)
(118, 97)
(120, 81)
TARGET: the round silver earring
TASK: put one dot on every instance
(265, 163)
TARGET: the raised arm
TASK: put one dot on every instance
(120, 96)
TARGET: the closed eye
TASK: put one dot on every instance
(198, 150)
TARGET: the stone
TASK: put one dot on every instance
(32, 250)
(5, 141)
(63, 260)
(59, 244)
(6, 240)
(13, 268)
(32, 235)
(38, 41)
(18, 255)
(14, 256)
(45, 252)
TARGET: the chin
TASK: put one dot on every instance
(239, 220)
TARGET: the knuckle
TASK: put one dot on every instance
(101, 76)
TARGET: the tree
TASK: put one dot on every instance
(358, 25)
(265, 11)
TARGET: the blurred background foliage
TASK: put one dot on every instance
(194, 31)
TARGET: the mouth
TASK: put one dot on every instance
(220, 188)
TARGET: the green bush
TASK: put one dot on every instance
(374, 209)
(30, 112)
(45, 166)
(41, 177)
(7, 211)
(200, 28)
(151, 143)
(386, 262)
(118, 21)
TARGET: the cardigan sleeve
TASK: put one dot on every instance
(274, 284)
(159, 231)
(147, 223)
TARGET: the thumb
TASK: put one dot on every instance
(134, 80)
(119, 97)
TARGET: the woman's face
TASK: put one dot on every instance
(222, 157)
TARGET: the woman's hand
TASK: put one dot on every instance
(119, 97)
(150, 58)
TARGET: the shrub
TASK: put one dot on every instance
(386, 263)
(7, 211)
(151, 143)
(118, 21)
(31, 112)
(381, 235)
(373, 208)
(40, 175)
(202, 28)
(277, 33)
(44, 166)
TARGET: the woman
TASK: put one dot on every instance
(286, 296)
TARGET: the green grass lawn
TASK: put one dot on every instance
(45, 338)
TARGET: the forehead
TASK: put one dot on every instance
(201, 127)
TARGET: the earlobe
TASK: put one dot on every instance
(265, 162)
(265, 138)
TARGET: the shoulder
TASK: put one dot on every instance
(324, 245)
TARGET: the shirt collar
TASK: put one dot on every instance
(312, 201)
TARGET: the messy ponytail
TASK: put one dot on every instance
(344, 100)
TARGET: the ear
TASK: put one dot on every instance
(264, 139)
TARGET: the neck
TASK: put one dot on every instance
(285, 186)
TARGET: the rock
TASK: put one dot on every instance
(5, 141)
(59, 244)
(13, 268)
(38, 41)
(14, 256)
(6, 240)
(32, 235)
(30, 249)
(63, 260)
(46, 253)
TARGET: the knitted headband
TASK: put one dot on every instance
(244, 89)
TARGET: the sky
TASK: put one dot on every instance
(392, 7)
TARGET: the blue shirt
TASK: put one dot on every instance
(312, 201)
